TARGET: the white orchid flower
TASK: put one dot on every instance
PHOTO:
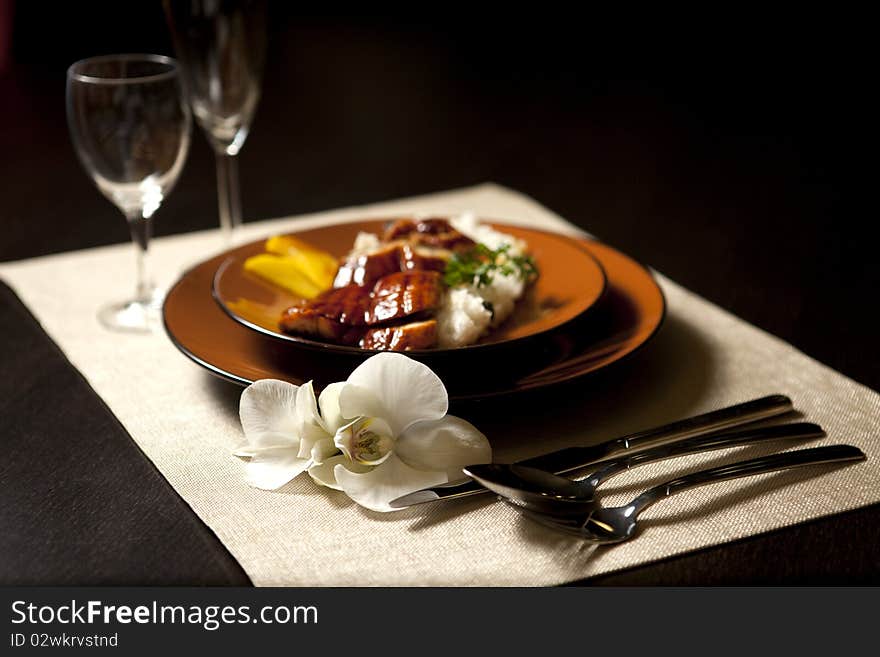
(399, 438)
(285, 433)
(381, 434)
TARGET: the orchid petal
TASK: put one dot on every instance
(447, 444)
(397, 389)
(394, 478)
(323, 449)
(356, 402)
(328, 402)
(266, 441)
(269, 406)
(325, 473)
(272, 468)
(311, 427)
(306, 403)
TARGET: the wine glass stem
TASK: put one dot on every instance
(141, 230)
(228, 195)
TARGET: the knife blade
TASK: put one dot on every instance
(570, 459)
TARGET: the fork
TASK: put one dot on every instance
(604, 525)
(545, 492)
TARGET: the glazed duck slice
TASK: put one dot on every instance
(423, 257)
(343, 314)
(437, 233)
(368, 268)
(338, 315)
(396, 230)
(404, 294)
(452, 240)
(415, 335)
(406, 227)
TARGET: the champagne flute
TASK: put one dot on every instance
(131, 130)
(221, 45)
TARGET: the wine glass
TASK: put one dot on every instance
(131, 129)
(221, 45)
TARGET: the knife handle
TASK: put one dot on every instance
(573, 458)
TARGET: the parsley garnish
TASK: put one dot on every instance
(478, 266)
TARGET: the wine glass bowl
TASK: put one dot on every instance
(131, 131)
(221, 45)
(224, 89)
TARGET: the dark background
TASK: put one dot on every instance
(722, 150)
(729, 150)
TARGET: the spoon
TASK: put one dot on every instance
(605, 525)
(545, 492)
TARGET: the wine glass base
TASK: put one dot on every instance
(135, 316)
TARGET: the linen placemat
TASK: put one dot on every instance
(704, 358)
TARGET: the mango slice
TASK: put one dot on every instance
(284, 271)
(317, 265)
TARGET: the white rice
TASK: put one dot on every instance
(469, 312)
(464, 316)
(461, 319)
(468, 224)
(502, 293)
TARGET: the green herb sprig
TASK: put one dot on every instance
(479, 265)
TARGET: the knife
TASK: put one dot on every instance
(570, 459)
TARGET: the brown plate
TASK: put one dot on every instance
(571, 281)
(629, 314)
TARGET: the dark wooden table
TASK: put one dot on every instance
(727, 158)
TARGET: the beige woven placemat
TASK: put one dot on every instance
(186, 423)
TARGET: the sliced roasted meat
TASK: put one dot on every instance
(339, 315)
(404, 294)
(423, 257)
(434, 226)
(438, 233)
(399, 228)
(415, 335)
(366, 269)
(452, 240)
(432, 232)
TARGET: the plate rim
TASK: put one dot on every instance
(664, 309)
(329, 347)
